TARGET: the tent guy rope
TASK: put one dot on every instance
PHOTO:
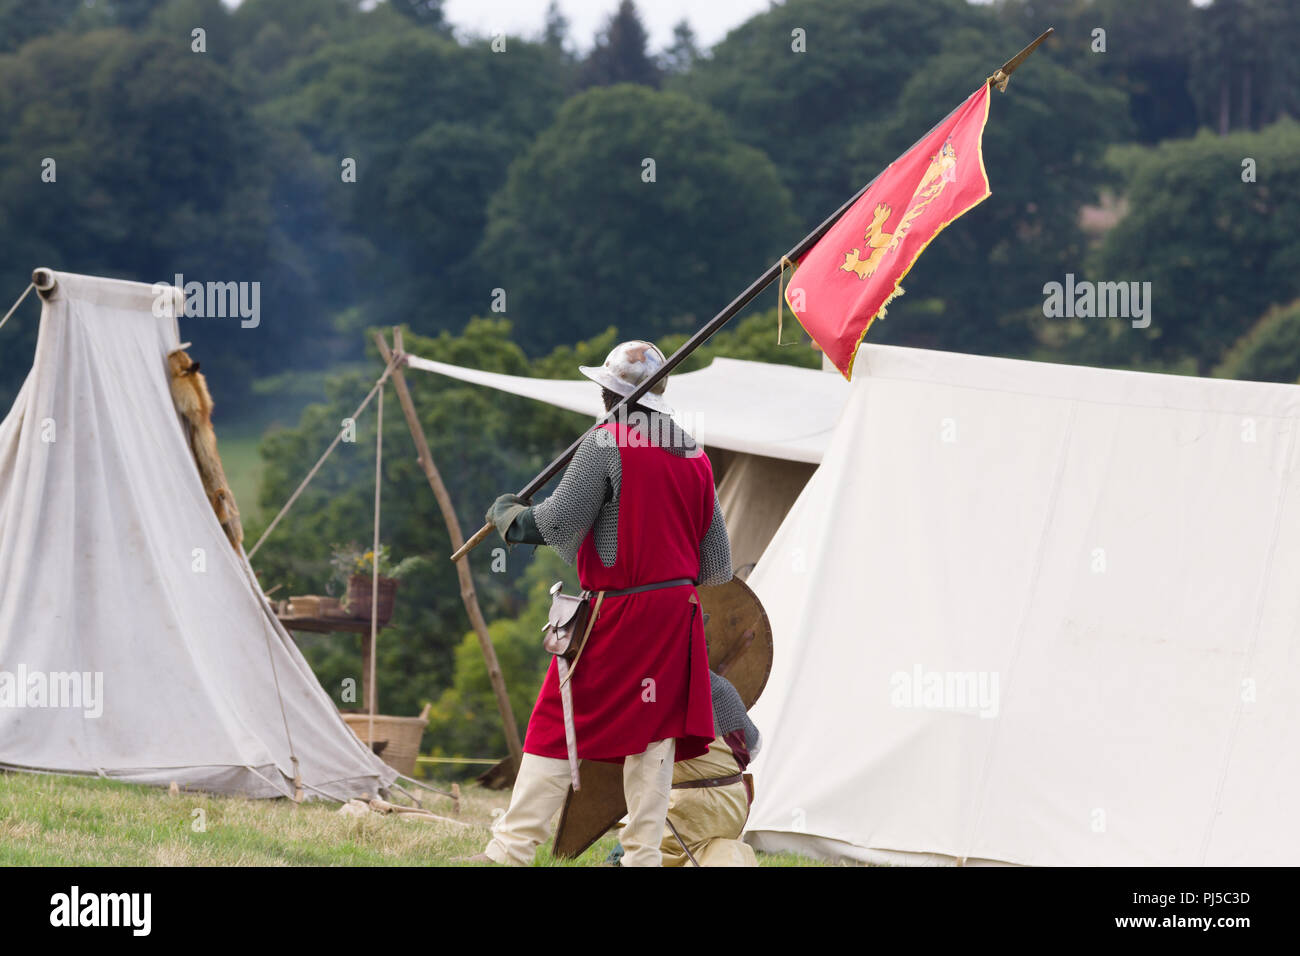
(316, 467)
(14, 308)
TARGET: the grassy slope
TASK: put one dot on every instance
(277, 401)
(60, 821)
(243, 465)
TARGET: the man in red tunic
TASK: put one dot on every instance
(637, 511)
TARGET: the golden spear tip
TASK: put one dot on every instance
(1003, 74)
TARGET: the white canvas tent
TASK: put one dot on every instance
(765, 428)
(1119, 551)
(113, 563)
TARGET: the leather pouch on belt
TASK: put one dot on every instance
(566, 622)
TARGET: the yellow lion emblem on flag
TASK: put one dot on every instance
(941, 171)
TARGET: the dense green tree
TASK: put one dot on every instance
(1279, 96)
(636, 209)
(427, 13)
(1269, 351)
(1218, 251)
(159, 169)
(800, 80)
(1227, 64)
(555, 31)
(272, 34)
(1244, 72)
(177, 19)
(620, 54)
(23, 20)
(1144, 50)
(682, 53)
(126, 13)
(432, 126)
(437, 192)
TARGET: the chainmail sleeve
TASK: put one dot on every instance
(715, 550)
(586, 499)
(729, 713)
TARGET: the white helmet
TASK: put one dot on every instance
(626, 367)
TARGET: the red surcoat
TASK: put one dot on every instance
(643, 675)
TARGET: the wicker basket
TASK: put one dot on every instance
(358, 602)
(400, 734)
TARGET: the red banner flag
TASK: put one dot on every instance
(846, 280)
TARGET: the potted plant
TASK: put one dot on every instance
(354, 570)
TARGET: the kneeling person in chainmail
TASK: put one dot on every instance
(637, 512)
(712, 793)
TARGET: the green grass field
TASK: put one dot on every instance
(50, 820)
(243, 466)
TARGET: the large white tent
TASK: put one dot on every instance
(119, 588)
(1024, 613)
(1038, 614)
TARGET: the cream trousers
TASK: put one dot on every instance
(542, 785)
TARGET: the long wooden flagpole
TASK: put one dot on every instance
(467, 593)
(999, 78)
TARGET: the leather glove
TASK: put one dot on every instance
(503, 513)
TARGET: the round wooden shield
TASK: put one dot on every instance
(739, 638)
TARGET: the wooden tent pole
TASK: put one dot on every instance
(372, 699)
(467, 592)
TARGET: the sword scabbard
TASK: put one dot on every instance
(570, 732)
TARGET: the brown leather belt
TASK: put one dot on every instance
(709, 782)
(674, 583)
(745, 778)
